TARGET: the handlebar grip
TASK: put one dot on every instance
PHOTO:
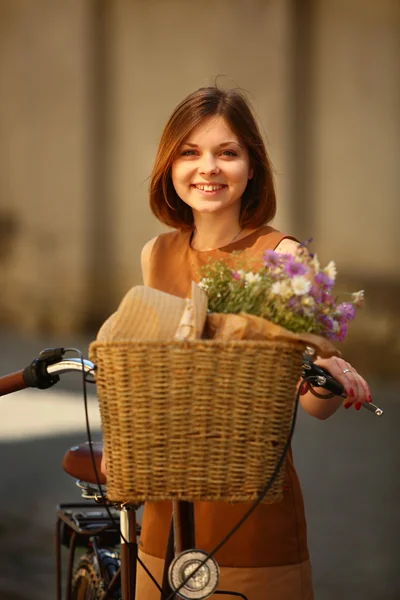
(332, 385)
(322, 378)
(12, 383)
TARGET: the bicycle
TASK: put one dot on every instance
(108, 532)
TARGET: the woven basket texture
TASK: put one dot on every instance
(195, 420)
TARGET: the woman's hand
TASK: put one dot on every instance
(355, 386)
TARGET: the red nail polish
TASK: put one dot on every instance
(369, 399)
(304, 388)
(347, 404)
(358, 405)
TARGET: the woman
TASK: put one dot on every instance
(212, 183)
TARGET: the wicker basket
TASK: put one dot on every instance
(195, 420)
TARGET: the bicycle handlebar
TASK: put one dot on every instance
(43, 372)
(12, 383)
(319, 377)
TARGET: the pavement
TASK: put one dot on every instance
(348, 466)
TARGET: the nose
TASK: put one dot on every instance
(208, 165)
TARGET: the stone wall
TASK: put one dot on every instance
(87, 87)
(43, 163)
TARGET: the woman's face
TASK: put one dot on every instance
(212, 168)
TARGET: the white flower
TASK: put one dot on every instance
(204, 283)
(300, 285)
(242, 273)
(358, 299)
(315, 264)
(330, 270)
(335, 326)
(281, 288)
(252, 277)
(307, 301)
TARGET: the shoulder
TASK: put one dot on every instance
(145, 258)
(287, 246)
(162, 238)
(160, 248)
(269, 238)
(147, 250)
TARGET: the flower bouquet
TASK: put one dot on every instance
(290, 292)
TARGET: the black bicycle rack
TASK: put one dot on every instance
(83, 525)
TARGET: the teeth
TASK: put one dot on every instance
(209, 188)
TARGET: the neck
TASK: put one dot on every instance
(209, 236)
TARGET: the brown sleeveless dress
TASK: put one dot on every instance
(267, 558)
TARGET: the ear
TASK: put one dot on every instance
(251, 173)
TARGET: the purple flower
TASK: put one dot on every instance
(326, 322)
(293, 268)
(330, 335)
(236, 275)
(326, 298)
(316, 293)
(272, 258)
(346, 311)
(306, 242)
(323, 280)
(293, 303)
(342, 332)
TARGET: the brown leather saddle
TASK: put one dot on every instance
(77, 462)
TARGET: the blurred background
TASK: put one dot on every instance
(86, 88)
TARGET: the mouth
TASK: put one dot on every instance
(208, 188)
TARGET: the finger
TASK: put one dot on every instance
(344, 374)
(355, 386)
(337, 367)
(359, 394)
(364, 393)
(304, 387)
(359, 391)
(355, 391)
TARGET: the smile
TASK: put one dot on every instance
(208, 188)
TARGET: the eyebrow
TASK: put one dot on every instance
(219, 145)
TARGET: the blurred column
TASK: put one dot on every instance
(301, 90)
(43, 164)
(101, 254)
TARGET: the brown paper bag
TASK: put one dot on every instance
(243, 326)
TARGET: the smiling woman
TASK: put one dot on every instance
(212, 138)
(211, 178)
(212, 183)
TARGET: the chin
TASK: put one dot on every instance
(208, 209)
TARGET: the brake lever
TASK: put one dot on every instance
(321, 378)
(35, 375)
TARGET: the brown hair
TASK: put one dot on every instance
(258, 200)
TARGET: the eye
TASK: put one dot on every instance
(188, 153)
(229, 153)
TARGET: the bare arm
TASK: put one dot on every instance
(145, 260)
